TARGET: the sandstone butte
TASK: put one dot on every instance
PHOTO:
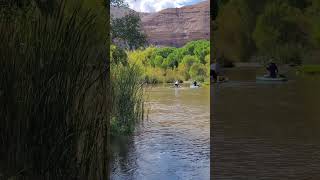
(174, 26)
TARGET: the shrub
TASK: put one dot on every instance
(154, 75)
(172, 76)
(183, 72)
(198, 72)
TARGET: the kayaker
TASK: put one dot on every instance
(214, 71)
(273, 69)
(195, 83)
(176, 84)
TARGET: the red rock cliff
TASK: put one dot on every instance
(177, 26)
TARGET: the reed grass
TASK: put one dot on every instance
(54, 96)
(127, 99)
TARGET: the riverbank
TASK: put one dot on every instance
(258, 65)
(309, 69)
(247, 65)
(205, 83)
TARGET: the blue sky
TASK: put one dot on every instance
(157, 5)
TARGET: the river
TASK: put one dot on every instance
(265, 130)
(173, 143)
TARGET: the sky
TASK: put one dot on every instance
(157, 5)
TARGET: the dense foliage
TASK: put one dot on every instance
(250, 30)
(53, 93)
(126, 86)
(167, 64)
(126, 93)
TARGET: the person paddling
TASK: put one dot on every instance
(176, 84)
(215, 71)
(195, 83)
(273, 69)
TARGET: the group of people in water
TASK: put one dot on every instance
(177, 85)
(217, 73)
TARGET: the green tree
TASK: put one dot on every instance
(198, 72)
(233, 38)
(148, 53)
(189, 60)
(188, 49)
(158, 60)
(313, 15)
(164, 52)
(126, 31)
(167, 63)
(202, 48)
(118, 55)
(172, 61)
(207, 59)
(279, 32)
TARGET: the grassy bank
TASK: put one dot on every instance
(126, 92)
(309, 69)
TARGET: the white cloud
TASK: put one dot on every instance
(157, 5)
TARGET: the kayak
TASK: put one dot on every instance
(223, 81)
(193, 86)
(265, 78)
(176, 87)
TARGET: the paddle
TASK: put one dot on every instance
(283, 73)
(282, 76)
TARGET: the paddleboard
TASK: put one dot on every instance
(264, 78)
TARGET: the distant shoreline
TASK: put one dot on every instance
(256, 64)
(250, 64)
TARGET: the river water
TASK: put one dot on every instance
(265, 130)
(173, 143)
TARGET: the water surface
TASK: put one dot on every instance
(265, 130)
(173, 143)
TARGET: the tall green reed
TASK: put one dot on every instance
(54, 96)
(127, 98)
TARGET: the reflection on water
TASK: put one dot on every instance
(173, 143)
(265, 130)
